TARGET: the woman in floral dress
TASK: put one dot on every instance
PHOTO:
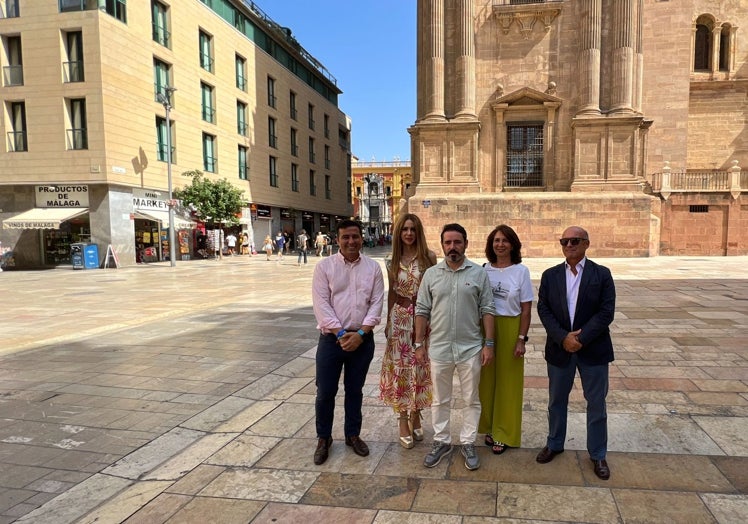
(405, 385)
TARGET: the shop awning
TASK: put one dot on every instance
(163, 217)
(43, 217)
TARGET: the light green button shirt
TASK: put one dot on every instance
(454, 302)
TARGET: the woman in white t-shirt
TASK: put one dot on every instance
(502, 382)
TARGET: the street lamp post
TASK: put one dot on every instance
(166, 102)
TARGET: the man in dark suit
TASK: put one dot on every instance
(576, 304)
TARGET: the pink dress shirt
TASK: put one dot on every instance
(347, 295)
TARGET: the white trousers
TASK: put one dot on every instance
(442, 374)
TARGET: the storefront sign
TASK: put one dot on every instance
(286, 213)
(263, 211)
(324, 219)
(62, 196)
(145, 200)
(253, 211)
(306, 215)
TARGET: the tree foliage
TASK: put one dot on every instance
(214, 202)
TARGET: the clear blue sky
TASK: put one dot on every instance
(370, 48)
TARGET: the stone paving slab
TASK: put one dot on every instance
(141, 397)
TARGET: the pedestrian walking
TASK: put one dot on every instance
(231, 244)
(280, 243)
(267, 246)
(302, 242)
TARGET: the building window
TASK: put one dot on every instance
(294, 142)
(327, 156)
(11, 9)
(209, 153)
(13, 72)
(208, 103)
(73, 68)
(524, 155)
(328, 191)
(311, 150)
(311, 117)
(271, 91)
(206, 51)
(243, 159)
(273, 171)
(724, 49)
(312, 183)
(241, 118)
(292, 101)
(115, 8)
(17, 137)
(77, 133)
(698, 209)
(272, 137)
(241, 72)
(702, 48)
(294, 178)
(163, 140)
(327, 125)
(160, 23)
(162, 80)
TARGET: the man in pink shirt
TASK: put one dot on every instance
(347, 293)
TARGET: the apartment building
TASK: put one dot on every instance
(102, 99)
(626, 117)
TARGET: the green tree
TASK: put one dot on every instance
(215, 202)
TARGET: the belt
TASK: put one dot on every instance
(405, 301)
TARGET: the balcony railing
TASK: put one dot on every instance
(13, 75)
(77, 138)
(73, 71)
(733, 181)
(161, 153)
(17, 141)
(524, 2)
(78, 5)
(161, 35)
(206, 62)
(209, 115)
(241, 128)
(209, 163)
(241, 83)
(243, 172)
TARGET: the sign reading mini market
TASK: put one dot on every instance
(62, 196)
(145, 200)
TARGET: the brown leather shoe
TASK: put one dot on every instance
(601, 469)
(546, 455)
(359, 446)
(322, 451)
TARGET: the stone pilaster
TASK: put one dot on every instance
(466, 61)
(432, 27)
(589, 57)
(622, 81)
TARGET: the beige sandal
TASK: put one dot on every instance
(417, 432)
(406, 442)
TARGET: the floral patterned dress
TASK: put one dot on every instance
(404, 384)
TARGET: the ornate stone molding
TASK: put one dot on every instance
(526, 15)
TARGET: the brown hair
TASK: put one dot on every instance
(511, 236)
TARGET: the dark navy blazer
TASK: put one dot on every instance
(596, 305)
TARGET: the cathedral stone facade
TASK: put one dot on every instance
(626, 117)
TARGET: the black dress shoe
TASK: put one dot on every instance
(359, 446)
(546, 455)
(601, 469)
(322, 451)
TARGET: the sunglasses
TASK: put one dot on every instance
(573, 241)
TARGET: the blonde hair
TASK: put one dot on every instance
(422, 249)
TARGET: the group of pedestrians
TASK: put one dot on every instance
(460, 317)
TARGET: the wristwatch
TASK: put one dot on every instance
(523, 337)
(361, 332)
(417, 345)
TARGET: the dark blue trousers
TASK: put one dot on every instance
(595, 388)
(331, 361)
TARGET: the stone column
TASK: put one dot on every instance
(465, 61)
(432, 23)
(639, 76)
(622, 88)
(716, 42)
(589, 57)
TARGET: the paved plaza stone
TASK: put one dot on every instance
(154, 394)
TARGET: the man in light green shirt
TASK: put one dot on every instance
(454, 300)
